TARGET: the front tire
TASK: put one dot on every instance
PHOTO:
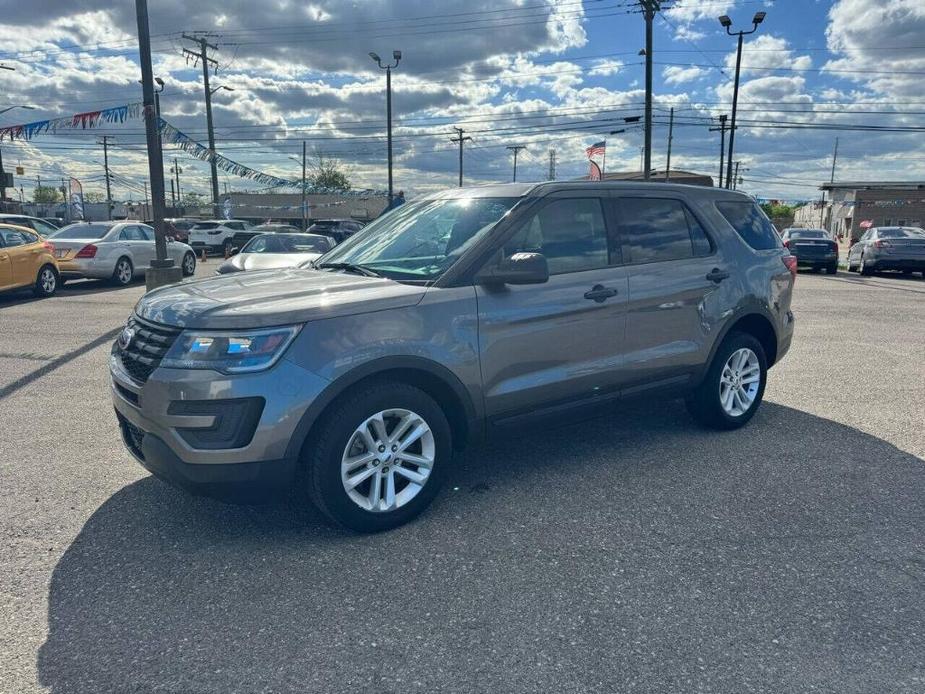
(379, 457)
(734, 384)
(123, 273)
(46, 282)
(189, 264)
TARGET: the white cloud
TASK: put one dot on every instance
(606, 67)
(675, 74)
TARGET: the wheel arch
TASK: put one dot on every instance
(754, 323)
(431, 377)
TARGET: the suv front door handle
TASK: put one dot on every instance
(600, 293)
(717, 275)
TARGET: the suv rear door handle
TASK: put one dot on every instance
(600, 293)
(717, 275)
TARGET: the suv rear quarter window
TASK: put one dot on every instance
(750, 223)
(658, 229)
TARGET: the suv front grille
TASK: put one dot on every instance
(147, 347)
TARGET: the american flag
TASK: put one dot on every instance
(596, 148)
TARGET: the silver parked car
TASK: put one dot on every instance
(443, 321)
(277, 250)
(888, 248)
(117, 251)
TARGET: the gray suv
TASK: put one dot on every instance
(440, 323)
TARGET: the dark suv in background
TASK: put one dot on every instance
(338, 229)
(444, 321)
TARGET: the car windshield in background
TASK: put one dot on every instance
(82, 231)
(273, 227)
(205, 225)
(419, 241)
(809, 234)
(900, 233)
(287, 243)
(751, 224)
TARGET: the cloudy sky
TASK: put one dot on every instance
(548, 74)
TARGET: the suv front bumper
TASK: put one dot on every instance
(158, 433)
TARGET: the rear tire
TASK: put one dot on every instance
(123, 273)
(832, 269)
(189, 264)
(707, 403)
(46, 282)
(864, 268)
(327, 455)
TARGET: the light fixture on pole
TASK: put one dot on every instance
(726, 23)
(396, 56)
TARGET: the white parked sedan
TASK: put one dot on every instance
(276, 250)
(118, 251)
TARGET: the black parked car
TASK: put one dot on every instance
(814, 248)
(337, 229)
(240, 238)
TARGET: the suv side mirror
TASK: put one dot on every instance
(520, 268)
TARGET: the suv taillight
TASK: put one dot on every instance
(791, 262)
(88, 251)
(787, 243)
(879, 243)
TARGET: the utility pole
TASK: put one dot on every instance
(304, 208)
(670, 138)
(162, 270)
(515, 149)
(722, 146)
(552, 165)
(649, 7)
(105, 144)
(203, 56)
(735, 179)
(146, 199)
(173, 195)
(727, 23)
(176, 173)
(834, 160)
(460, 139)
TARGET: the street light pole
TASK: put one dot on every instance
(650, 7)
(722, 146)
(396, 55)
(162, 270)
(727, 24)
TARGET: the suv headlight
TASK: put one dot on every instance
(230, 352)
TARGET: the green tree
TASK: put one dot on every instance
(329, 173)
(46, 195)
(193, 200)
(773, 211)
(94, 196)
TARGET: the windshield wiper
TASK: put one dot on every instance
(351, 267)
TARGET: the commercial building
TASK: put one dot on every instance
(287, 207)
(851, 207)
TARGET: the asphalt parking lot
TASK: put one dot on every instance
(633, 552)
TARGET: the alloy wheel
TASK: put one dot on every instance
(48, 281)
(739, 382)
(388, 460)
(189, 264)
(124, 272)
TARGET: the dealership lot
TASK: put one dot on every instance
(632, 552)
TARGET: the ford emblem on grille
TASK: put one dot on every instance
(126, 337)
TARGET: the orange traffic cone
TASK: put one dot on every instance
(203, 258)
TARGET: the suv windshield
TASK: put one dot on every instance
(898, 233)
(82, 231)
(419, 241)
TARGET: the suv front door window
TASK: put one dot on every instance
(561, 340)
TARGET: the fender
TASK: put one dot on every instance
(474, 419)
(744, 312)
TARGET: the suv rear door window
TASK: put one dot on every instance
(750, 223)
(659, 229)
(571, 234)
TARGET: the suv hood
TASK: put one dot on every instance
(266, 298)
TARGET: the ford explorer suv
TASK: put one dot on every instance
(355, 379)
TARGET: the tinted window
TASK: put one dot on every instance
(204, 226)
(751, 224)
(82, 231)
(13, 238)
(148, 232)
(809, 234)
(570, 233)
(898, 234)
(44, 228)
(131, 233)
(654, 230)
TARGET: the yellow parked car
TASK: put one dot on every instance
(27, 260)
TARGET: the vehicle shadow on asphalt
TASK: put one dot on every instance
(630, 552)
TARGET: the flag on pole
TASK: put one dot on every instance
(594, 171)
(596, 148)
